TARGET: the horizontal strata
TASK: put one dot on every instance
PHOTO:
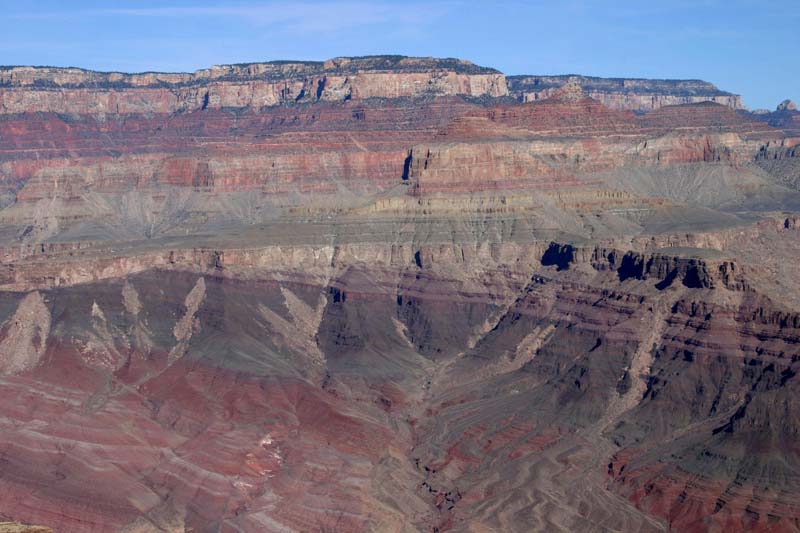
(636, 94)
(70, 77)
(32, 89)
(292, 397)
(424, 311)
(441, 145)
(621, 85)
(76, 90)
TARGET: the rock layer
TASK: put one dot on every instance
(256, 85)
(436, 310)
(625, 93)
(31, 89)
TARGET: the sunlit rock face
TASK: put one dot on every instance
(256, 85)
(621, 93)
(383, 294)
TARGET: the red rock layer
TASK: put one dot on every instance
(281, 150)
(168, 440)
(723, 472)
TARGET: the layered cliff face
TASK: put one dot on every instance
(33, 89)
(257, 85)
(625, 93)
(419, 312)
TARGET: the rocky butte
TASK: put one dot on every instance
(395, 294)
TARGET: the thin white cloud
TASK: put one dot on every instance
(295, 17)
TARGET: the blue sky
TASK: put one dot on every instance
(744, 46)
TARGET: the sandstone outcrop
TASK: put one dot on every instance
(624, 93)
(256, 85)
(378, 294)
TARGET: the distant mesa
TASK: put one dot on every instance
(251, 85)
(26, 89)
(787, 105)
(635, 94)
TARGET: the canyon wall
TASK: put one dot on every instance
(256, 85)
(32, 89)
(379, 294)
(625, 93)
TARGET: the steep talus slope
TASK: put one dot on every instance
(377, 294)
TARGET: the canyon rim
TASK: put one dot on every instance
(390, 293)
